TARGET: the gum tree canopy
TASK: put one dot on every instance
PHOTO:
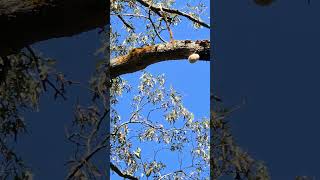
(25, 76)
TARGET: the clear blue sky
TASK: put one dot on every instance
(45, 147)
(271, 56)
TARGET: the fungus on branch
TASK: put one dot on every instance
(193, 58)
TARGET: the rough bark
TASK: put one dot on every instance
(140, 58)
(24, 22)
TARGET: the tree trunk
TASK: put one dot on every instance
(24, 22)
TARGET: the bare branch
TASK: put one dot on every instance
(125, 22)
(84, 161)
(154, 27)
(118, 171)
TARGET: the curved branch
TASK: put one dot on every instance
(140, 58)
(29, 21)
(121, 174)
(84, 161)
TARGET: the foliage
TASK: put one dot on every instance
(144, 25)
(25, 76)
(227, 158)
(174, 133)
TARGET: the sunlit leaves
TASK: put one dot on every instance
(137, 153)
(139, 26)
(157, 116)
(118, 86)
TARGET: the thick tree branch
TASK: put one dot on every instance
(24, 22)
(140, 58)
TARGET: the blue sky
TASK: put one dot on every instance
(45, 148)
(270, 56)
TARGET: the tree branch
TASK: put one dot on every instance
(140, 58)
(84, 161)
(118, 171)
(125, 22)
(29, 21)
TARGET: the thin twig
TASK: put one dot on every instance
(125, 22)
(154, 28)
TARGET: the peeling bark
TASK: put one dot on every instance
(24, 22)
(140, 58)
